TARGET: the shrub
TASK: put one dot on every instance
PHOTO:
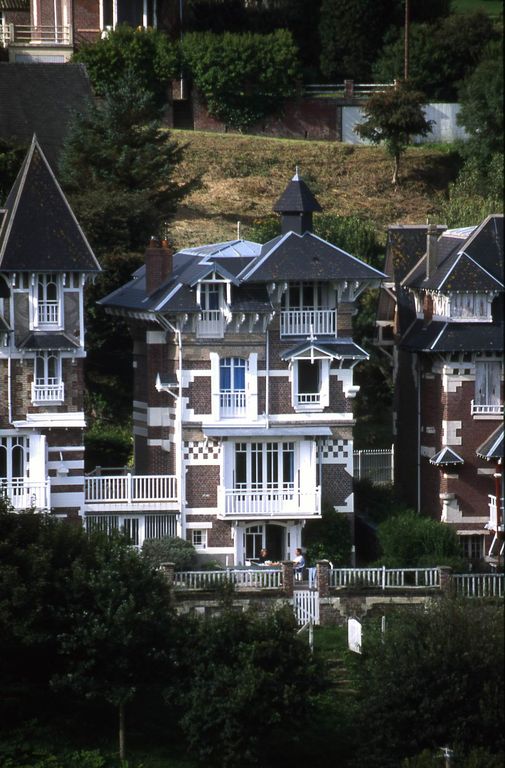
(245, 77)
(170, 550)
(409, 540)
(328, 538)
(149, 54)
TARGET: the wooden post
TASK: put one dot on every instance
(348, 89)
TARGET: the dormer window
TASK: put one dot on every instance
(305, 311)
(211, 298)
(47, 301)
(470, 306)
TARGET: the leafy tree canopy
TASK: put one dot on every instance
(148, 53)
(441, 55)
(476, 193)
(435, 678)
(251, 679)
(242, 77)
(481, 113)
(393, 117)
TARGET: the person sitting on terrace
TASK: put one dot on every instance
(298, 563)
(264, 559)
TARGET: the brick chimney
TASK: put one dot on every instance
(159, 263)
(432, 234)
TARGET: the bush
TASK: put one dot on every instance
(243, 78)
(328, 538)
(107, 446)
(149, 54)
(409, 540)
(170, 550)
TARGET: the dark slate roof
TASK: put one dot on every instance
(41, 98)
(446, 456)
(4, 326)
(469, 260)
(307, 257)
(40, 232)
(340, 349)
(46, 341)
(297, 198)
(492, 448)
(406, 244)
(439, 336)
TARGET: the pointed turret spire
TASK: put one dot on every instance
(296, 206)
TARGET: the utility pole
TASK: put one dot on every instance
(406, 42)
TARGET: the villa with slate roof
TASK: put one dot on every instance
(45, 261)
(242, 414)
(441, 321)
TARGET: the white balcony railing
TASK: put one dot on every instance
(42, 34)
(5, 34)
(26, 494)
(494, 409)
(52, 391)
(493, 514)
(304, 322)
(232, 404)
(130, 489)
(308, 398)
(286, 501)
(48, 313)
(210, 324)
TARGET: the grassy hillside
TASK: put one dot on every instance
(242, 177)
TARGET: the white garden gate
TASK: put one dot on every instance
(306, 606)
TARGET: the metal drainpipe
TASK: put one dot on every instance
(9, 388)
(267, 376)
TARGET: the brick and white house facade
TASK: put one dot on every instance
(442, 323)
(243, 358)
(45, 261)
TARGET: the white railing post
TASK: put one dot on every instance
(129, 488)
(383, 577)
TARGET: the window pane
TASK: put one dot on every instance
(239, 374)
(308, 376)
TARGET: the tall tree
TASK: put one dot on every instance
(392, 117)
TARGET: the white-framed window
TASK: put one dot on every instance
(234, 387)
(232, 399)
(311, 384)
(487, 387)
(211, 320)
(199, 538)
(47, 386)
(306, 310)
(47, 298)
(470, 306)
(264, 466)
(472, 546)
(13, 457)
(254, 541)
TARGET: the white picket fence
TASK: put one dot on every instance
(375, 465)
(479, 584)
(385, 578)
(264, 578)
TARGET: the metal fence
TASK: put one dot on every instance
(377, 466)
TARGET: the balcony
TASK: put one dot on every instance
(232, 404)
(48, 393)
(210, 324)
(493, 516)
(278, 502)
(494, 409)
(308, 400)
(26, 494)
(48, 313)
(307, 322)
(128, 493)
(28, 34)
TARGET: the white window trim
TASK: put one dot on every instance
(324, 388)
(35, 323)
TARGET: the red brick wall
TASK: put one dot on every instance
(201, 485)
(199, 395)
(336, 484)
